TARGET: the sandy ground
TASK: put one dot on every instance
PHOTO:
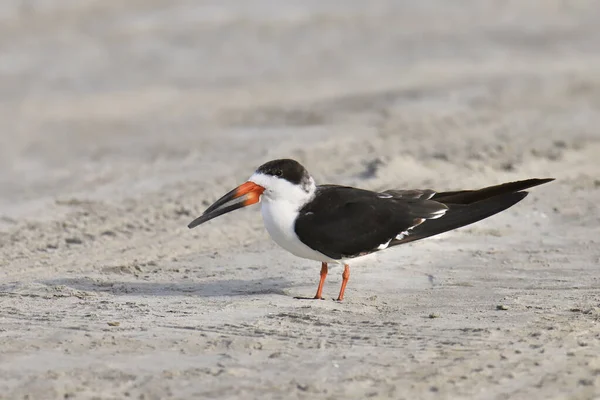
(121, 121)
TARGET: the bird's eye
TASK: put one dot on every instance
(278, 172)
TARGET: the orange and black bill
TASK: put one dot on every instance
(244, 195)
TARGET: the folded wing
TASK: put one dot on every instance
(344, 222)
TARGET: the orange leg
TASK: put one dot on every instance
(345, 277)
(322, 281)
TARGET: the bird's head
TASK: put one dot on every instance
(282, 180)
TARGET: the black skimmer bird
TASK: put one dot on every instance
(337, 224)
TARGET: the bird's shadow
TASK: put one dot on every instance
(214, 288)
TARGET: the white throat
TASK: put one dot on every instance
(280, 203)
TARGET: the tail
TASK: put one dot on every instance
(468, 206)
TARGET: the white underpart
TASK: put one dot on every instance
(280, 203)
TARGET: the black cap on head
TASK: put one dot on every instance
(288, 169)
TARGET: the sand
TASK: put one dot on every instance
(122, 121)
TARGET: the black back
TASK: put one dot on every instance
(344, 222)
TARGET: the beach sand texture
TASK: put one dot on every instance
(122, 121)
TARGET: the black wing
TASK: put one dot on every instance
(345, 222)
(468, 206)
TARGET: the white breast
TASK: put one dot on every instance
(279, 218)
